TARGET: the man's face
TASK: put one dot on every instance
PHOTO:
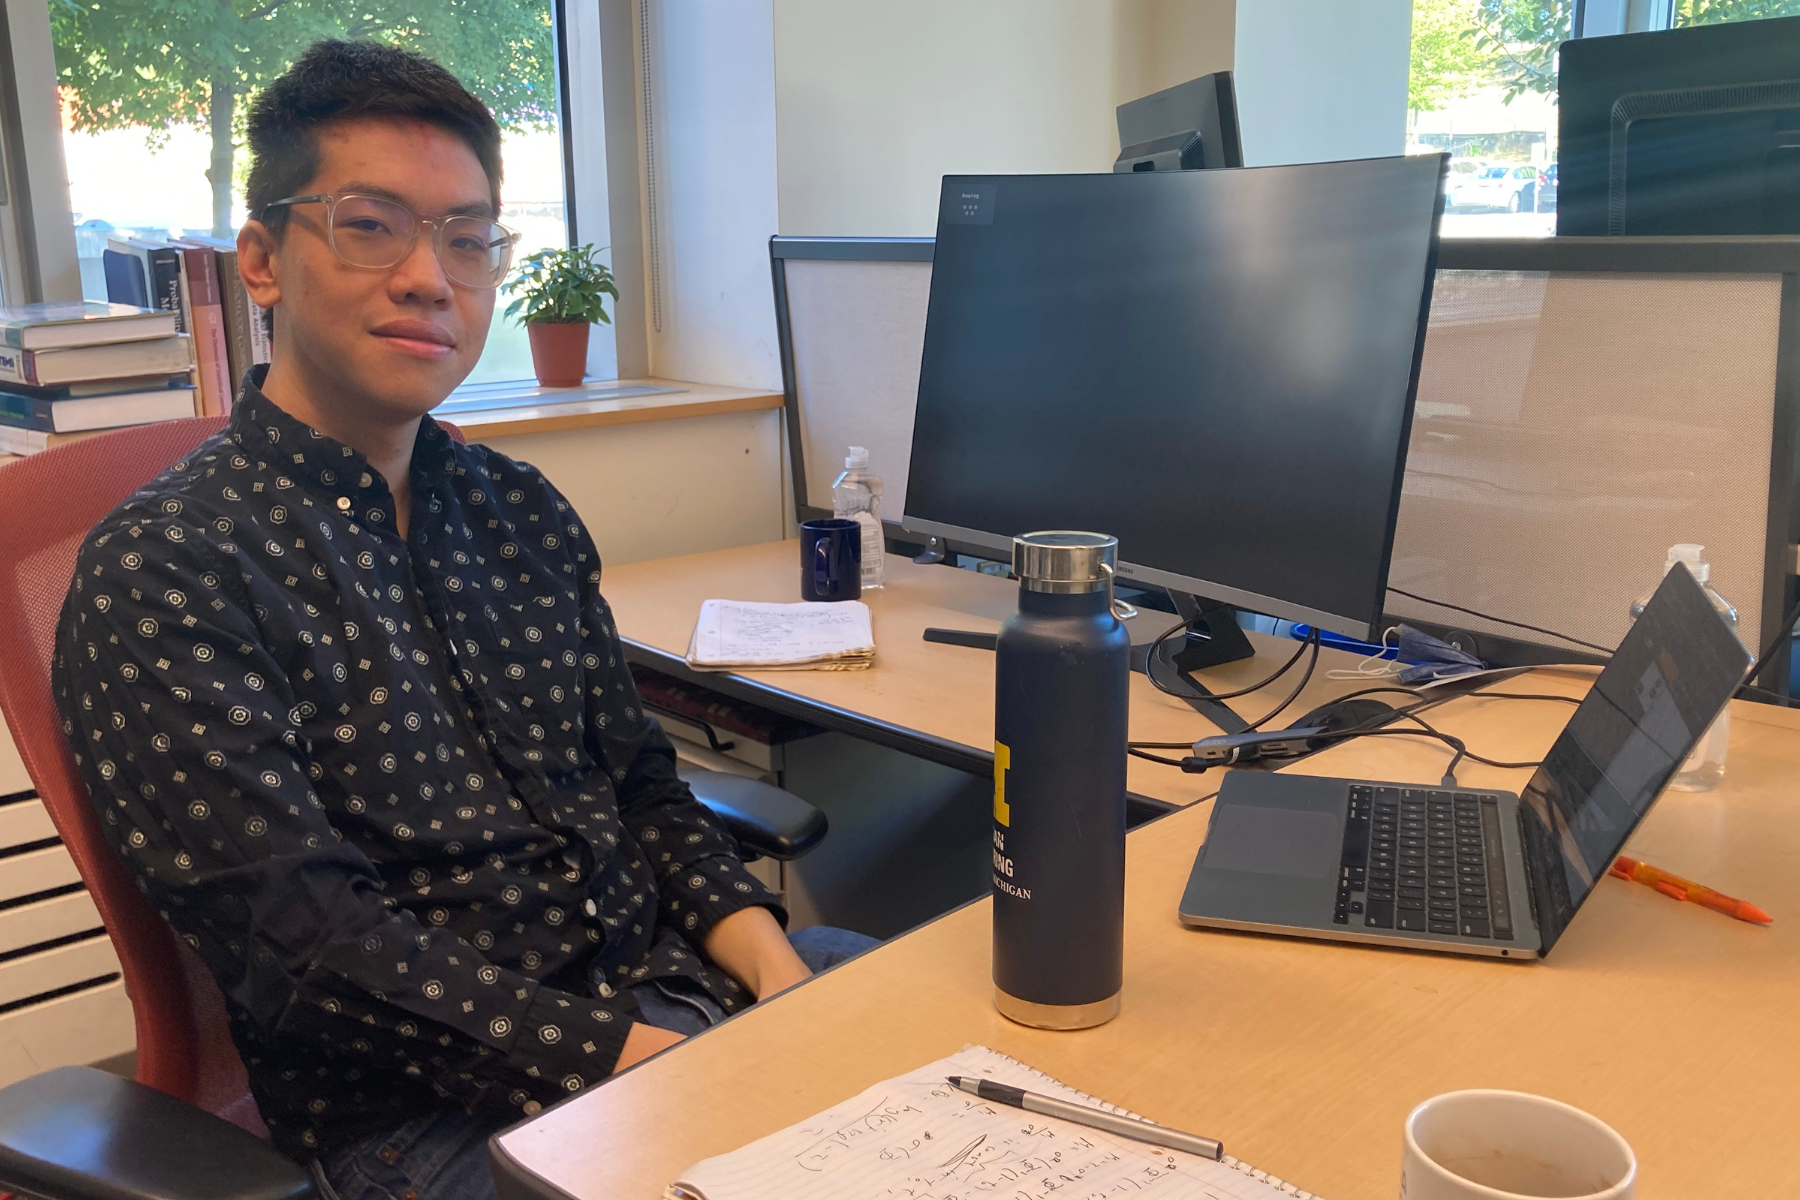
(393, 341)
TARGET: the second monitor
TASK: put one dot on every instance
(1190, 126)
(1216, 367)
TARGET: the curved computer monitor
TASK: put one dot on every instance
(1184, 128)
(1217, 367)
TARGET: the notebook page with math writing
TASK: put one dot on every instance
(918, 1138)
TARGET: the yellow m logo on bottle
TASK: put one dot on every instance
(1002, 762)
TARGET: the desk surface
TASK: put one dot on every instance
(1673, 1023)
(925, 696)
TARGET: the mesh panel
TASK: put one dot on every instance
(1570, 428)
(858, 330)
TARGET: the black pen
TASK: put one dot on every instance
(1094, 1118)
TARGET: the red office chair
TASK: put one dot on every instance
(151, 1143)
(148, 1143)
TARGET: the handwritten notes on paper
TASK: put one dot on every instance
(746, 635)
(918, 1138)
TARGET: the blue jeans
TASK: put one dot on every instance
(443, 1155)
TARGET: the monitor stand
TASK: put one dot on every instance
(1214, 638)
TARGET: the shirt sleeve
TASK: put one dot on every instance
(186, 729)
(700, 874)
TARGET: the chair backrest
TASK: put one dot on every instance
(48, 503)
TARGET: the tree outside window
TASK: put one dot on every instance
(1483, 87)
(154, 95)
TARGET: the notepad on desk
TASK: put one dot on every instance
(746, 635)
(918, 1137)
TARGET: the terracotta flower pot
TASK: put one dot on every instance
(559, 352)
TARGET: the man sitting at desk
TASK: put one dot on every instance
(348, 698)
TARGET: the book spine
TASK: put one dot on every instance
(18, 366)
(125, 283)
(262, 337)
(235, 302)
(207, 320)
(22, 441)
(26, 412)
(12, 333)
(166, 289)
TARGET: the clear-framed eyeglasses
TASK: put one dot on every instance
(378, 233)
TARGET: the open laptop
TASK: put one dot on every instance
(1466, 871)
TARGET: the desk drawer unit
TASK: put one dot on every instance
(61, 998)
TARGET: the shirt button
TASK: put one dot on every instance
(606, 991)
(532, 1108)
(343, 504)
(592, 909)
(365, 480)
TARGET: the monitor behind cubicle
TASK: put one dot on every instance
(1584, 404)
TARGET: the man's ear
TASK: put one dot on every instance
(259, 264)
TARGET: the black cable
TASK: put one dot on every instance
(1312, 639)
(1157, 758)
(1783, 632)
(1185, 627)
(1500, 620)
(1449, 740)
(1378, 719)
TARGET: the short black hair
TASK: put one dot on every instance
(337, 80)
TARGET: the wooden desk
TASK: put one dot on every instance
(924, 698)
(1674, 1024)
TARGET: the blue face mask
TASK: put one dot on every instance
(1431, 658)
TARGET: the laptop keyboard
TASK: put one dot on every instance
(1423, 860)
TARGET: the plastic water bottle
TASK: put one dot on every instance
(1706, 765)
(857, 496)
(1060, 690)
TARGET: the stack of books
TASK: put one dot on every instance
(195, 278)
(68, 370)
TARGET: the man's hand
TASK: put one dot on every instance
(750, 946)
(641, 1041)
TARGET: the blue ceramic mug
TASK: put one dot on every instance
(830, 559)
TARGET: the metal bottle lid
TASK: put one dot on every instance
(1065, 561)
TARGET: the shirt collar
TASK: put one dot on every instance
(260, 425)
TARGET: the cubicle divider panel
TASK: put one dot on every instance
(850, 313)
(1584, 404)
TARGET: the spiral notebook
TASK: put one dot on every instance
(919, 1138)
(745, 635)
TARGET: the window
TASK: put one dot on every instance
(1483, 88)
(1717, 12)
(153, 97)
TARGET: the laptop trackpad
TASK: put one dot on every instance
(1274, 841)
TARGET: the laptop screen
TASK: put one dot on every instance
(1664, 685)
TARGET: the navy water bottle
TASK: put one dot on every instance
(1060, 692)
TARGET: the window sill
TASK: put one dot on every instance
(524, 407)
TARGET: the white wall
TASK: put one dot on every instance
(711, 163)
(876, 101)
(662, 488)
(1322, 79)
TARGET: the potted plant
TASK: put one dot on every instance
(559, 295)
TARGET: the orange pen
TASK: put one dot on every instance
(1677, 888)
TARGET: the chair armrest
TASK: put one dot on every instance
(76, 1133)
(765, 819)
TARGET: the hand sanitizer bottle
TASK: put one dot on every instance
(1706, 765)
(857, 496)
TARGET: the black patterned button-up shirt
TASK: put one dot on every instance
(399, 793)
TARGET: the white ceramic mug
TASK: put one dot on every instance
(1495, 1145)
